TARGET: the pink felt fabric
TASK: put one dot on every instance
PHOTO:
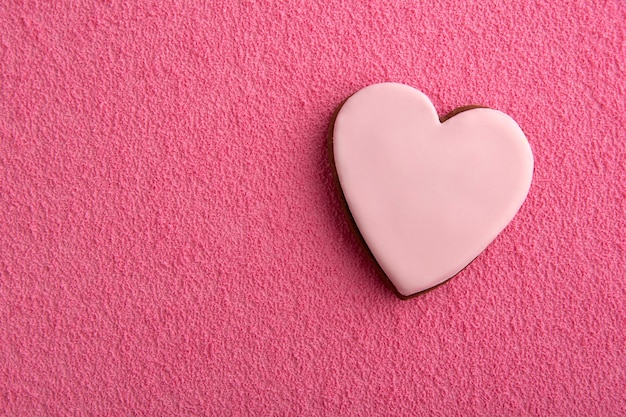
(172, 241)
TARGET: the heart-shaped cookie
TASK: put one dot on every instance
(427, 196)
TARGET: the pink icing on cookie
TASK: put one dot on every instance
(428, 197)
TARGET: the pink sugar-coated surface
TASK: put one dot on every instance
(172, 241)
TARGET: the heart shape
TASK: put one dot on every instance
(427, 196)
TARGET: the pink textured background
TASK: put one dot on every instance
(171, 241)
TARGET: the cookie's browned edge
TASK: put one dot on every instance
(353, 225)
